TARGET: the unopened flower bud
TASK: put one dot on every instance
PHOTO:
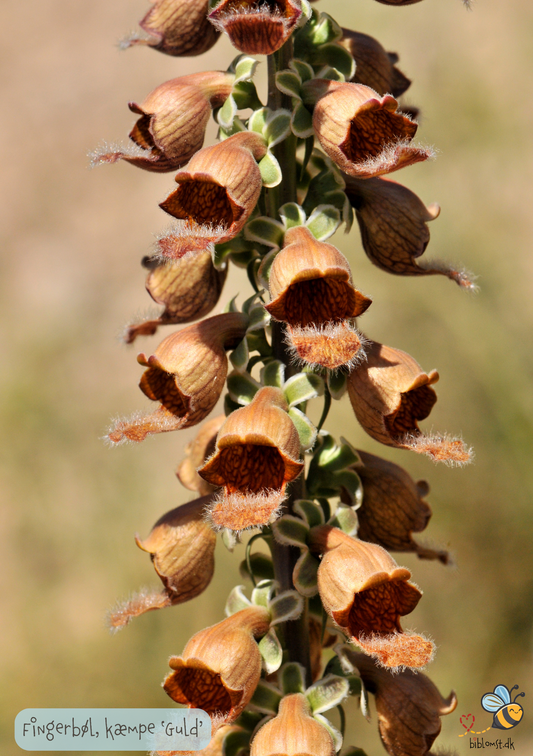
(375, 67)
(176, 27)
(220, 666)
(293, 731)
(365, 593)
(196, 453)
(220, 186)
(182, 547)
(393, 223)
(393, 507)
(256, 29)
(186, 374)
(360, 131)
(409, 706)
(172, 122)
(257, 454)
(311, 290)
(188, 288)
(390, 394)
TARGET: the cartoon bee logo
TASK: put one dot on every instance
(507, 713)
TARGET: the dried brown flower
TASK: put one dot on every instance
(176, 27)
(375, 67)
(393, 507)
(393, 223)
(186, 375)
(311, 290)
(293, 731)
(220, 666)
(409, 707)
(360, 131)
(390, 394)
(365, 593)
(257, 455)
(220, 186)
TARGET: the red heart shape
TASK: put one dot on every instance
(468, 726)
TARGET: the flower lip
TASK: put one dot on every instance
(256, 28)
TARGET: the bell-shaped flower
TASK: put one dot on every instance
(257, 454)
(220, 666)
(176, 27)
(393, 507)
(188, 288)
(255, 28)
(311, 290)
(362, 133)
(293, 732)
(186, 375)
(220, 186)
(365, 593)
(409, 706)
(215, 747)
(390, 394)
(182, 547)
(393, 223)
(375, 67)
(196, 453)
(172, 122)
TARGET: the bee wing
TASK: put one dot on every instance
(503, 693)
(492, 702)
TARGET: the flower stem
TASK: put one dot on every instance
(295, 634)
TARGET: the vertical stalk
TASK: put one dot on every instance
(295, 633)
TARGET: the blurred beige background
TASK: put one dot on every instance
(72, 240)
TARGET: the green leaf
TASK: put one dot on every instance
(235, 742)
(237, 601)
(306, 429)
(227, 113)
(232, 305)
(335, 734)
(305, 575)
(245, 95)
(291, 215)
(345, 519)
(302, 387)
(292, 678)
(259, 319)
(327, 693)
(270, 170)
(287, 606)
(266, 231)
(337, 384)
(271, 652)
(278, 127)
(336, 56)
(263, 274)
(309, 511)
(229, 539)
(240, 356)
(303, 69)
(302, 122)
(326, 30)
(324, 221)
(262, 567)
(262, 593)
(273, 374)
(244, 67)
(258, 120)
(257, 343)
(266, 698)
(242, 387)
(327, 72)
(289, 83)
(291, 531)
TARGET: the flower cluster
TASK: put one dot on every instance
(280, 180)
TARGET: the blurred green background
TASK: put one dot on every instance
(72, 240)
